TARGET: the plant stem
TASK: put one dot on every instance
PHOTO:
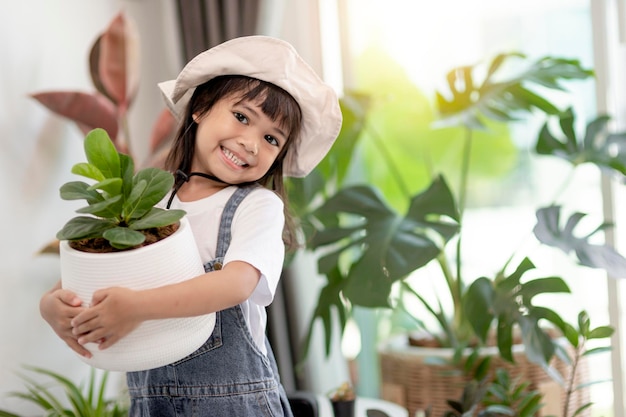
(125, 131)
(572, 377)
(389, 161)
(465, 164)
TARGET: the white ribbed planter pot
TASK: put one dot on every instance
(154, 343)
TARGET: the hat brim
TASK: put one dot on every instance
(277, 62)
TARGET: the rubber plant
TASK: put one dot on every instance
(114, 68)
(367, 248)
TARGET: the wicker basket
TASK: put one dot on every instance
(415, 385)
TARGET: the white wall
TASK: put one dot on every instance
(44, 45)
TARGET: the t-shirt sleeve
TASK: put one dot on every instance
(256, 238)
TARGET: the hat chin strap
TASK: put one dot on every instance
(183, 178)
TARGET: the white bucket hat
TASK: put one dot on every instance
(277, 62)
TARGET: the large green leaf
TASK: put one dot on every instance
(157, 217)
(88, 170)
(549, 231)
(83, 227)
(385, 245)
(108, 209)
(503, 98)
(141, 200)
(606, 150)
(111, 186)
(123, 237)
(101, 153)
(78, 190)
(509, 301)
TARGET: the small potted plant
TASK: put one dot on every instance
(342, 400)
(123, 239)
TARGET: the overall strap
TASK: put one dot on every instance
(223, 239)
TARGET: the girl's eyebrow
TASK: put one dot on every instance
(256, 114)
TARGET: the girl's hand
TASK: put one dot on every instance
(111, 316)
(58, 307)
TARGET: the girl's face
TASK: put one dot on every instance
(236, 142)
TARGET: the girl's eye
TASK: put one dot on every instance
(271, 140)
(243, 119)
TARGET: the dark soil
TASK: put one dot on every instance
(100, 245)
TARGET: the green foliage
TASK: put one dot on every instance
(86, 401)
(508, 301)
(505, 397)
(367, 248)
(504, 99)
(120, 202)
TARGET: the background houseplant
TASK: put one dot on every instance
(367, 248)
(75, 401)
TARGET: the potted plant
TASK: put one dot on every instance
(114, 70)
(343, 400)
(367, 249)
(124, 240)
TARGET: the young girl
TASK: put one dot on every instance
(251, 111)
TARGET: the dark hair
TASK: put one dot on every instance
(274, 102)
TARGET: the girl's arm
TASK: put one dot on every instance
(115, 312)
(58, 307)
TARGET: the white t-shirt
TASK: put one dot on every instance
(256, 238)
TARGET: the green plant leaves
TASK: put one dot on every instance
(501, 98)
(157, 217)
(83, 227)
(550, 232)
(509, 301)
(122, 202)
(76, 400)
(606, 150)
(384, 245)
(150, 185)
(101, 153)
(123, 237)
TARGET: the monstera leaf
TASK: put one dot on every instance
(501, 99)
(548, 230)
(509, 301)
(605, 150)
(385, 245)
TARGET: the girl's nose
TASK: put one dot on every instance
(250, 145)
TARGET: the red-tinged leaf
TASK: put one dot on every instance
(87, 110)
(163, 130)
(118, 64)
(94, 65)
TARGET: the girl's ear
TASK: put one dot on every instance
(195, 117)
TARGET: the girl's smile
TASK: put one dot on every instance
(236, 142)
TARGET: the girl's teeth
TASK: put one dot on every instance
(233, 158)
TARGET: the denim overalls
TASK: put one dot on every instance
(227, 376)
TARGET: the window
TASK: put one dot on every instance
(417, 42)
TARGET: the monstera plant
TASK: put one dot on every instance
(367, 249)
